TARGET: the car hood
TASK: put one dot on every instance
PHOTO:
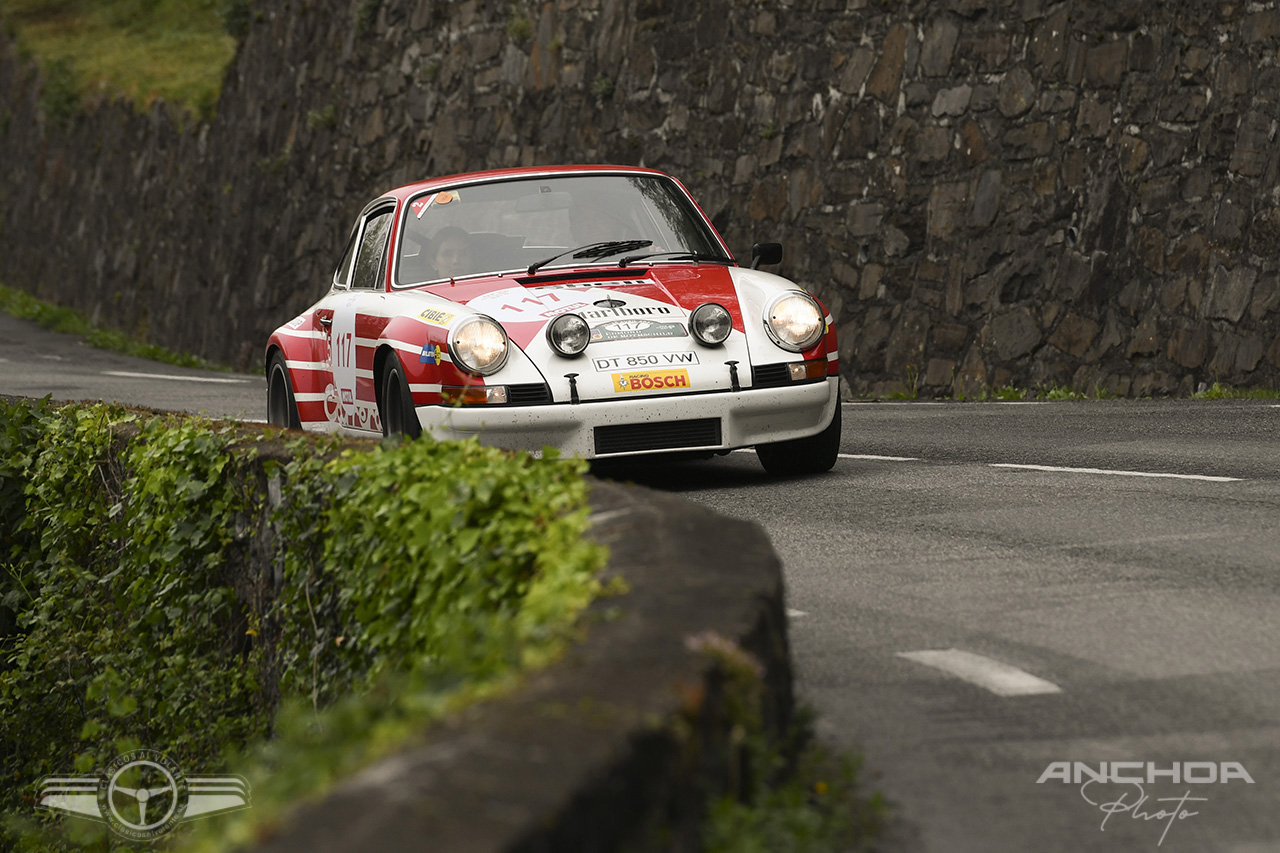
(602, 296)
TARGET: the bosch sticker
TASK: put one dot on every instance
(436, 317)
(662, 359)
(653, 380)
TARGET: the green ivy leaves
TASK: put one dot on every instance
(162, 586)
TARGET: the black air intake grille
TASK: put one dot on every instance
(531, 394)
(664, 435)
(770, 375)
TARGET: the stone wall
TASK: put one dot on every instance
(983, 191)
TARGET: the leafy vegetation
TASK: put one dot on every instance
(177, 50)
(785, 793)
(367, 17)
(137, 608)
(818, 807)
(1217, 391)
(24, 306)
(60, 96)
(519, 27)
(1015, 393)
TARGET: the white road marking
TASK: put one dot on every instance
(795, 614)
(597, 518)
(132, 375)
(1000, 678)
(1055, 468)
(52, 358)
(253, 420)
(877, 458)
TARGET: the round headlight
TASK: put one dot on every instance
(794, 321)
(568, 335)
(710, 323)
(479, 345)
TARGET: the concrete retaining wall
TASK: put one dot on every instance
(617, 746)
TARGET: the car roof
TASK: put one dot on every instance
(404, 192)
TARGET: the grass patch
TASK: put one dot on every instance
(24, 306)
(821, 805)
(786, 791)
(177, 50)
(1014, 393)
(1217, 391)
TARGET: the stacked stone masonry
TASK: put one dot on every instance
(984, 192)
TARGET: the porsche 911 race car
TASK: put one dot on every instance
(589, 308)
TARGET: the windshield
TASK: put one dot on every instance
(511, 225)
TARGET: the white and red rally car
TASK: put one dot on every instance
(594, 309)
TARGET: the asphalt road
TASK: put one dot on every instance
(1148, 608)
(36, 363)
(965, 624)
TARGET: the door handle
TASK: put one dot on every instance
(326, 321)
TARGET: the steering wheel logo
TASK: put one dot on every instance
(143, 795)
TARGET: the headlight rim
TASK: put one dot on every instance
(551, 341)
(693, 327)
(819, 331)
(461, 362)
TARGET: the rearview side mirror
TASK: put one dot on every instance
(765, 253)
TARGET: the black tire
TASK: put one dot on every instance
(812, 455)
(282, 407)
(395, 403)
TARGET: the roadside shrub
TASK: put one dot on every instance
(165, 586)
(60, 95)
(236, 16)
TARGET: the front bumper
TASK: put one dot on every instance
(745, 418)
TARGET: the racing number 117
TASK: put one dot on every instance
(342, 350)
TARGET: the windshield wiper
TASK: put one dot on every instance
(594, 250)
(675, 256)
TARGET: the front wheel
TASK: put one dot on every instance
(811, 455)
(398, 414)
(282, 408)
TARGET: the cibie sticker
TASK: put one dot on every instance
(436, 317)
(653, 380)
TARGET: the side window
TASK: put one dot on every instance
(342, 275)
(373, 245)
